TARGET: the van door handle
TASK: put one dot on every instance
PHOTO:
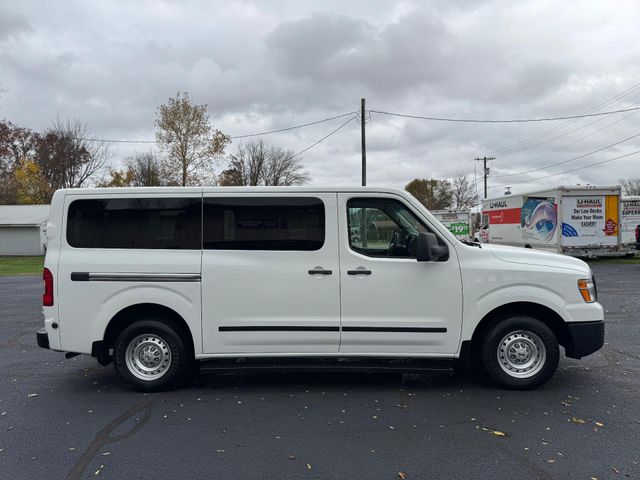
(319, 271)
(359, 271)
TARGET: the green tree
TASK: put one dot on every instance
(432, 193)
(187, 139)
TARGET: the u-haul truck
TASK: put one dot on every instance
(630, 222)
(578, 221)
(458, 222)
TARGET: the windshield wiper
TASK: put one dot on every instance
(471, 244)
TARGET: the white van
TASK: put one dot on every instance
(156, 279)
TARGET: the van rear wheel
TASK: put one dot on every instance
(151, 356)
(519, 353)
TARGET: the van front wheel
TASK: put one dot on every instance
(520, 353)
(151, 356)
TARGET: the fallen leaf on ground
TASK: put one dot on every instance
(104, 454)
(291, 456)
(31, 395)
(615, 470)
(402, 475)
(600, 424)
(308, 466)
(498, 433)
(577, 420)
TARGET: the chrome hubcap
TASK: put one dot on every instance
(148, 357)
(521, 354)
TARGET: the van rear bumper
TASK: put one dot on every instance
(584, 338)
(43, 338)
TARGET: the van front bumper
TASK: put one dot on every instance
(43, 338)
(584, 338)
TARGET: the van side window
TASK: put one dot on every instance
(153, 223)
(381, 227)
(263, 223)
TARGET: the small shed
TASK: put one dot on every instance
(23, 229)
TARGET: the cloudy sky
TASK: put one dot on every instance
(262, 65)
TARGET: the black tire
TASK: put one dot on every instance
(519, 353)
(158, 356)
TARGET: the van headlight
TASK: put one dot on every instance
(587, 289)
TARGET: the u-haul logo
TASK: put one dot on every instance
(498, 204)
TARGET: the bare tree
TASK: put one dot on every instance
(464, 192)
(630, 186)
(67, 158)
(146, 170)
(187, 139)
(257, 163)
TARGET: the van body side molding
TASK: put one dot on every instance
(293, 328)
(135, 277)
(277, 328)
(396, 329)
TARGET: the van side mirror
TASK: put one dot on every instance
(428, 249)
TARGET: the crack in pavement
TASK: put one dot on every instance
(103, 437)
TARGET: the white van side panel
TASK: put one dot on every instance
(54, 232)
(489, 284)
(86, 307)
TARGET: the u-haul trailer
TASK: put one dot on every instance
(578, 221)
(630, 222)
(458, 222)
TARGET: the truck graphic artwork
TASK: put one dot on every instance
(590, 220)
(539, 219)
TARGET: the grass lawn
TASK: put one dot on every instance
(21, 265)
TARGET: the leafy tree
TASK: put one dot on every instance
(118, 178)
(16, 144)
(31, 186)
(630, 186)
(464, 192)
(187, 139)
(67, 158)
(432, 193)
(257, 163)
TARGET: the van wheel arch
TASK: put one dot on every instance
(130, 314)
(545, 314)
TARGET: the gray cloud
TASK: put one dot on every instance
(265, 65)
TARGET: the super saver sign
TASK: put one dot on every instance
(590, 220)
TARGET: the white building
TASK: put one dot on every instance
(22, 229)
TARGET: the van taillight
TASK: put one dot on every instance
(47, 297)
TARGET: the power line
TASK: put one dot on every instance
(292, 128)
(325, 137)
(516, 120)
(569, 171)
(234, 137)
(529, 160)
(570, 159)
(524, 142)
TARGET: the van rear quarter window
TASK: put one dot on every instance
(264, 223)
(136, 223)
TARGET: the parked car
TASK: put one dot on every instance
(158, 279)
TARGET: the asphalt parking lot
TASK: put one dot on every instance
(74, 419)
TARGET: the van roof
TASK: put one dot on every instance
(276, 190)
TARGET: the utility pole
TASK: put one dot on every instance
(485, 171)
(364, 144)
